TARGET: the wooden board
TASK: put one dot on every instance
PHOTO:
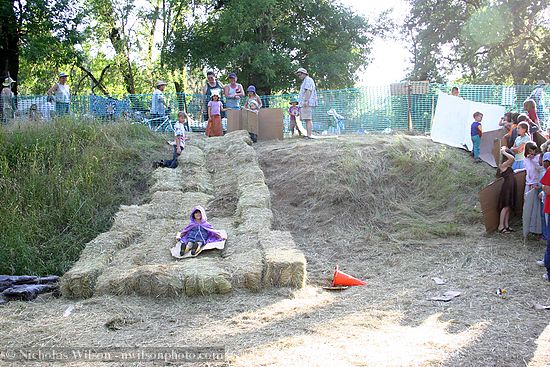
(488, 199)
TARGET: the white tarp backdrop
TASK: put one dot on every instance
(454, 116)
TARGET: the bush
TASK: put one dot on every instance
(60, 185)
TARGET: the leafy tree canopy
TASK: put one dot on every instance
(265, 41)
(486, 41)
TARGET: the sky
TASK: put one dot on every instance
(391, 59)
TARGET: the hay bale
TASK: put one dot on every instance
(245, 263)
(254, 220)
(167, 179)
(204, 277)
(128, 218)
(239, 136)
(285, 265)
(253, 196)
(174, 204)
(249, 175)
(192, 156)
(80, 281)
(146, 280)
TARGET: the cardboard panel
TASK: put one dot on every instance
(489, 142)
(234, 120)
(250, 121)
(488, 199)
(271, 124)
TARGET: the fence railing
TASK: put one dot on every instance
(352, 110)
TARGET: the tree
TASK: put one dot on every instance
(265, 41)
(37, 30)
(486, 41)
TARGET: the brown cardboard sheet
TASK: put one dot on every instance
(488, 198)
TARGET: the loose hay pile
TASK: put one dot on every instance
(133, 258)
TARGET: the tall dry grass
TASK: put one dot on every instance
(60, 184)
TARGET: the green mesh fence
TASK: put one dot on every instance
(358, 110)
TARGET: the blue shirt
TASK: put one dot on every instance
(474, 130)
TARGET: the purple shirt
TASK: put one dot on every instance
(215, 107)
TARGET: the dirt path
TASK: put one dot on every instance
(390, 322)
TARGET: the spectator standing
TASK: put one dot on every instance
(213, 86)
(253, 102)
(233, 93)
(537, 95)
(307, 99)
(159, 106)
(294, 112)
(6, 100)
(476, 133)
(61, 95)
(215, 108)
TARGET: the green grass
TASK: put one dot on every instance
(60, 185)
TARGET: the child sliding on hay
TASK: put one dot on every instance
(198, 235)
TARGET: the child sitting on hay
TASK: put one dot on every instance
(198, 235)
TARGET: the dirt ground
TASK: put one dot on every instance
(389, 322)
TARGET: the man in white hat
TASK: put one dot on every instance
(158, 103)
(307, 99)
(6, 99)
(62, 95)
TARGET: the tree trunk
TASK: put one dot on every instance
(9, 43)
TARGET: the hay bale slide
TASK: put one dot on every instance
(223, 175)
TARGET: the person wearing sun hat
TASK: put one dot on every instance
(6, 100)
(61, 94)
(159, 106)
(307, 99)
(294, 112)
(233, 93)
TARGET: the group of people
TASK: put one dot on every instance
(520, 151)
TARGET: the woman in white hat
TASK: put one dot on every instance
(6, 99)
(62, 95)
(158, 103)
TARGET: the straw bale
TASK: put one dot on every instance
(128, 218)
(253, 196)
(249, 175)
(171, 204)
(203, 277)
(192, 156)
(285, 265)
(146, 280)
(245, 263)
(239, 136)
(80, 280)
(253, 220)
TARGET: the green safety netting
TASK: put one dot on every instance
(368, 109)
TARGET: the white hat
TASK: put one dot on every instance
(8, 81)
(159, 83)
(301, 70)
(541, 82)
(62, 74)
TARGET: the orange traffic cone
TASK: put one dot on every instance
(342, 279)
